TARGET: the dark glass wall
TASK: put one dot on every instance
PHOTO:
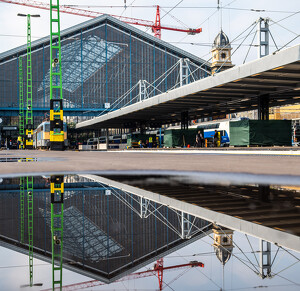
(99, 66)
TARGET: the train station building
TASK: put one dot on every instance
(102, 59)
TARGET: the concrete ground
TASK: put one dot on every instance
(274, 161)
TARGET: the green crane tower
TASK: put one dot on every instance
(29, 118)
(29, 188)
(22, 213)
(21, 106)
(57, 210)
(29, 113)
(56, 98)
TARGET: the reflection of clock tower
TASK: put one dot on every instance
(221, 53)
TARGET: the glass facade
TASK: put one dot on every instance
(104, 233)
(100, 63)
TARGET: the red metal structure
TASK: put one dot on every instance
(157, 270)
(156, 27)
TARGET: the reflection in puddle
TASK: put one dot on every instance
(17, 160)
(25, 160)
(109, 227)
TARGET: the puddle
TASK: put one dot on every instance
(116, 225)
(26, 160)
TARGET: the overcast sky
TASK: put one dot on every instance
(237, 16)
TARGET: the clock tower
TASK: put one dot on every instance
(221, 53)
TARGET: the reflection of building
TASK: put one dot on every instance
(221, 53)
(104, 236)
(223, 243)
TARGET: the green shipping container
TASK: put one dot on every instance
(137, 137)
(260, 132)
(179, 137)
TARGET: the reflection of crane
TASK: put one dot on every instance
(157, 270)
(156, 27)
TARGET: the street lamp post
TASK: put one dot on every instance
(29, 115)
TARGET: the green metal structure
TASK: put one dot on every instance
(21, 105)
(29, 115)
(57, 209)
(22, 210)
(29, 188)
(56, 98)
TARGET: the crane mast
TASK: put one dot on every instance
(155, 26)
(157, 270)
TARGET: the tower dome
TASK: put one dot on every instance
(223, 254)
(221, 40)
(223, 244)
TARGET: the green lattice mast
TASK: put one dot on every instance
(29, 118)
(57, 210)
(56, 98)
(22, 214)
(21, 105)
(29, 189)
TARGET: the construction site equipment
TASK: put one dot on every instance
(155, 26)
(22, 214)
(56, 98)
(21, 105)
(29, 114)
(157, 270)
(57, 208)
(29, 188)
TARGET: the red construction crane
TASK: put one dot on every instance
(156, 26)
(157, 270)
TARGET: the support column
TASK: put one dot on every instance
(264, 193)
(185, 225)
(144, 203)
(107, 138)
(184, 72)
(142, 90)
(263, 107)
(263, 36)
(265, 259)
(184, 120)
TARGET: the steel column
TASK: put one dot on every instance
(263, 107)
(265, 259)
(184, 120)
(263, 36)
